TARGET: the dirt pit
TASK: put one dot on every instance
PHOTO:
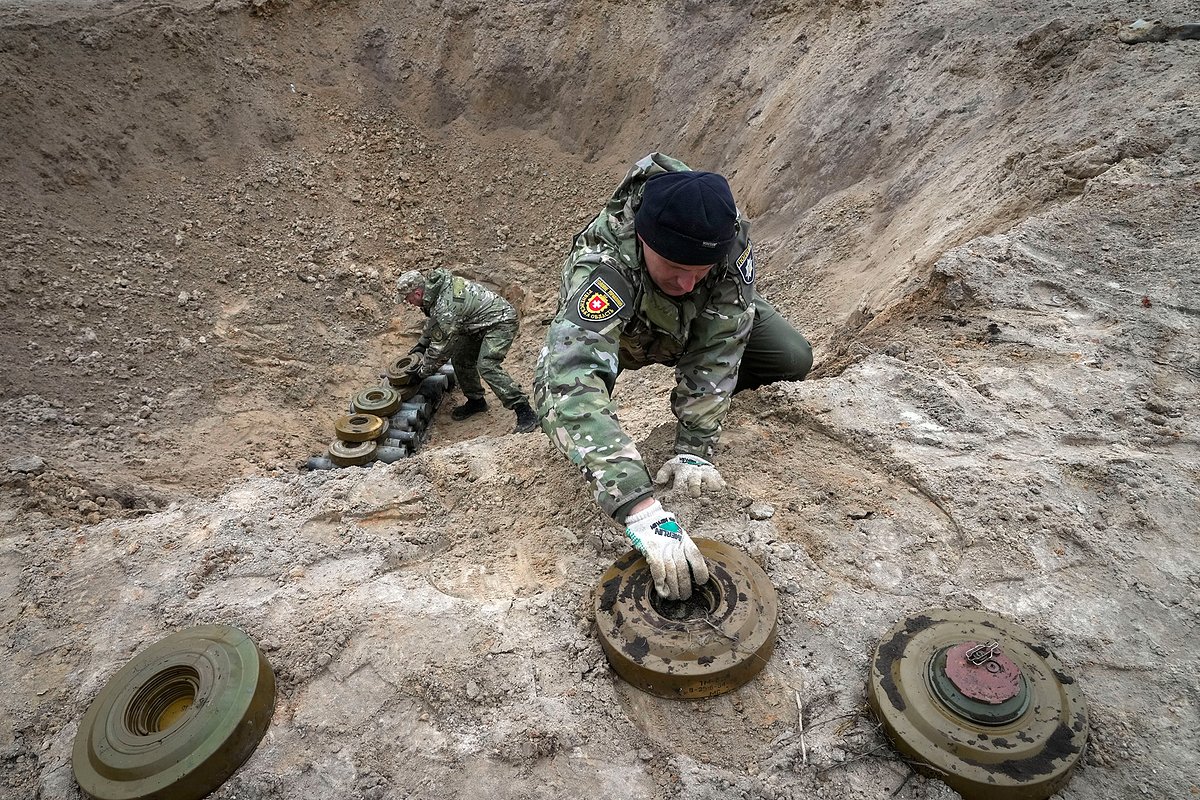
(985, 218)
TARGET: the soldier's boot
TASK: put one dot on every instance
(527, 420)
(473, 406)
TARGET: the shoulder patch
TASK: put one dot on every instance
(745, 265)
(605, 295)
(599, 301)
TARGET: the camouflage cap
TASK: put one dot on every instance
(409, 282)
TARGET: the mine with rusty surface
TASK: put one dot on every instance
(712, 643)
(977, 702)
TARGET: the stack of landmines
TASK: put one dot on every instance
(387, 422)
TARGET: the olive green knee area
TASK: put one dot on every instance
(776, 351)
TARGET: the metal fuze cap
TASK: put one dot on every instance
(687, 217)
(409, 282)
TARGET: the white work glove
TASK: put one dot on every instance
(674, 559)
(692, 472)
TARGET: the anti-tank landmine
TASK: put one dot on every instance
(975, 700)
(712, 643)
(177, 720)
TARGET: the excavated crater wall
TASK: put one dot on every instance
(864, 117)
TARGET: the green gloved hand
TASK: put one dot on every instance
(674, 559)
(690, 472)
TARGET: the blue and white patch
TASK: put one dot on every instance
(745, 265)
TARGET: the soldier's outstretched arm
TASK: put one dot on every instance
(437, 355)
(573, 389)
(707, 373)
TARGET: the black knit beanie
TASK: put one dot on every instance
(687, 217)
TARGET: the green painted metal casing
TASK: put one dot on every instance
(119, 754)
(1028, 758)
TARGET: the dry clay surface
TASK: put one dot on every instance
(986, 218)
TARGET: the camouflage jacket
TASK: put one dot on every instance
(457, 308)
(612, 317)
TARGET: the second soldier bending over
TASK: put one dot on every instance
(473, 328)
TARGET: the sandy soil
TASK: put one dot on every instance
(986, 217)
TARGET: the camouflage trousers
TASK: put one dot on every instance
(479, 356)
(776, 351)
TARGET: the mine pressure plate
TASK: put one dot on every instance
(976, 701)
(711, 643)
(351, 454)
(381, 401)
(360, 427)
(177, 720)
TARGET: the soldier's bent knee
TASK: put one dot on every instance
(798, 362)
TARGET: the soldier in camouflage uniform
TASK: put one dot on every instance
(473, 328)
(664, 275)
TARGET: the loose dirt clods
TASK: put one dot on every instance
(985, 218)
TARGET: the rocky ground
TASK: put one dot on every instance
(986, 218)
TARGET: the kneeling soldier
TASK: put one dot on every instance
(663, 275)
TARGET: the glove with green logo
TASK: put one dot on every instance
(674, 559)
(692, 472)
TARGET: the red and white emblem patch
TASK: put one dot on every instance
(600, 302)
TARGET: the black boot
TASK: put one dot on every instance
(473, 406)
(527, 420)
